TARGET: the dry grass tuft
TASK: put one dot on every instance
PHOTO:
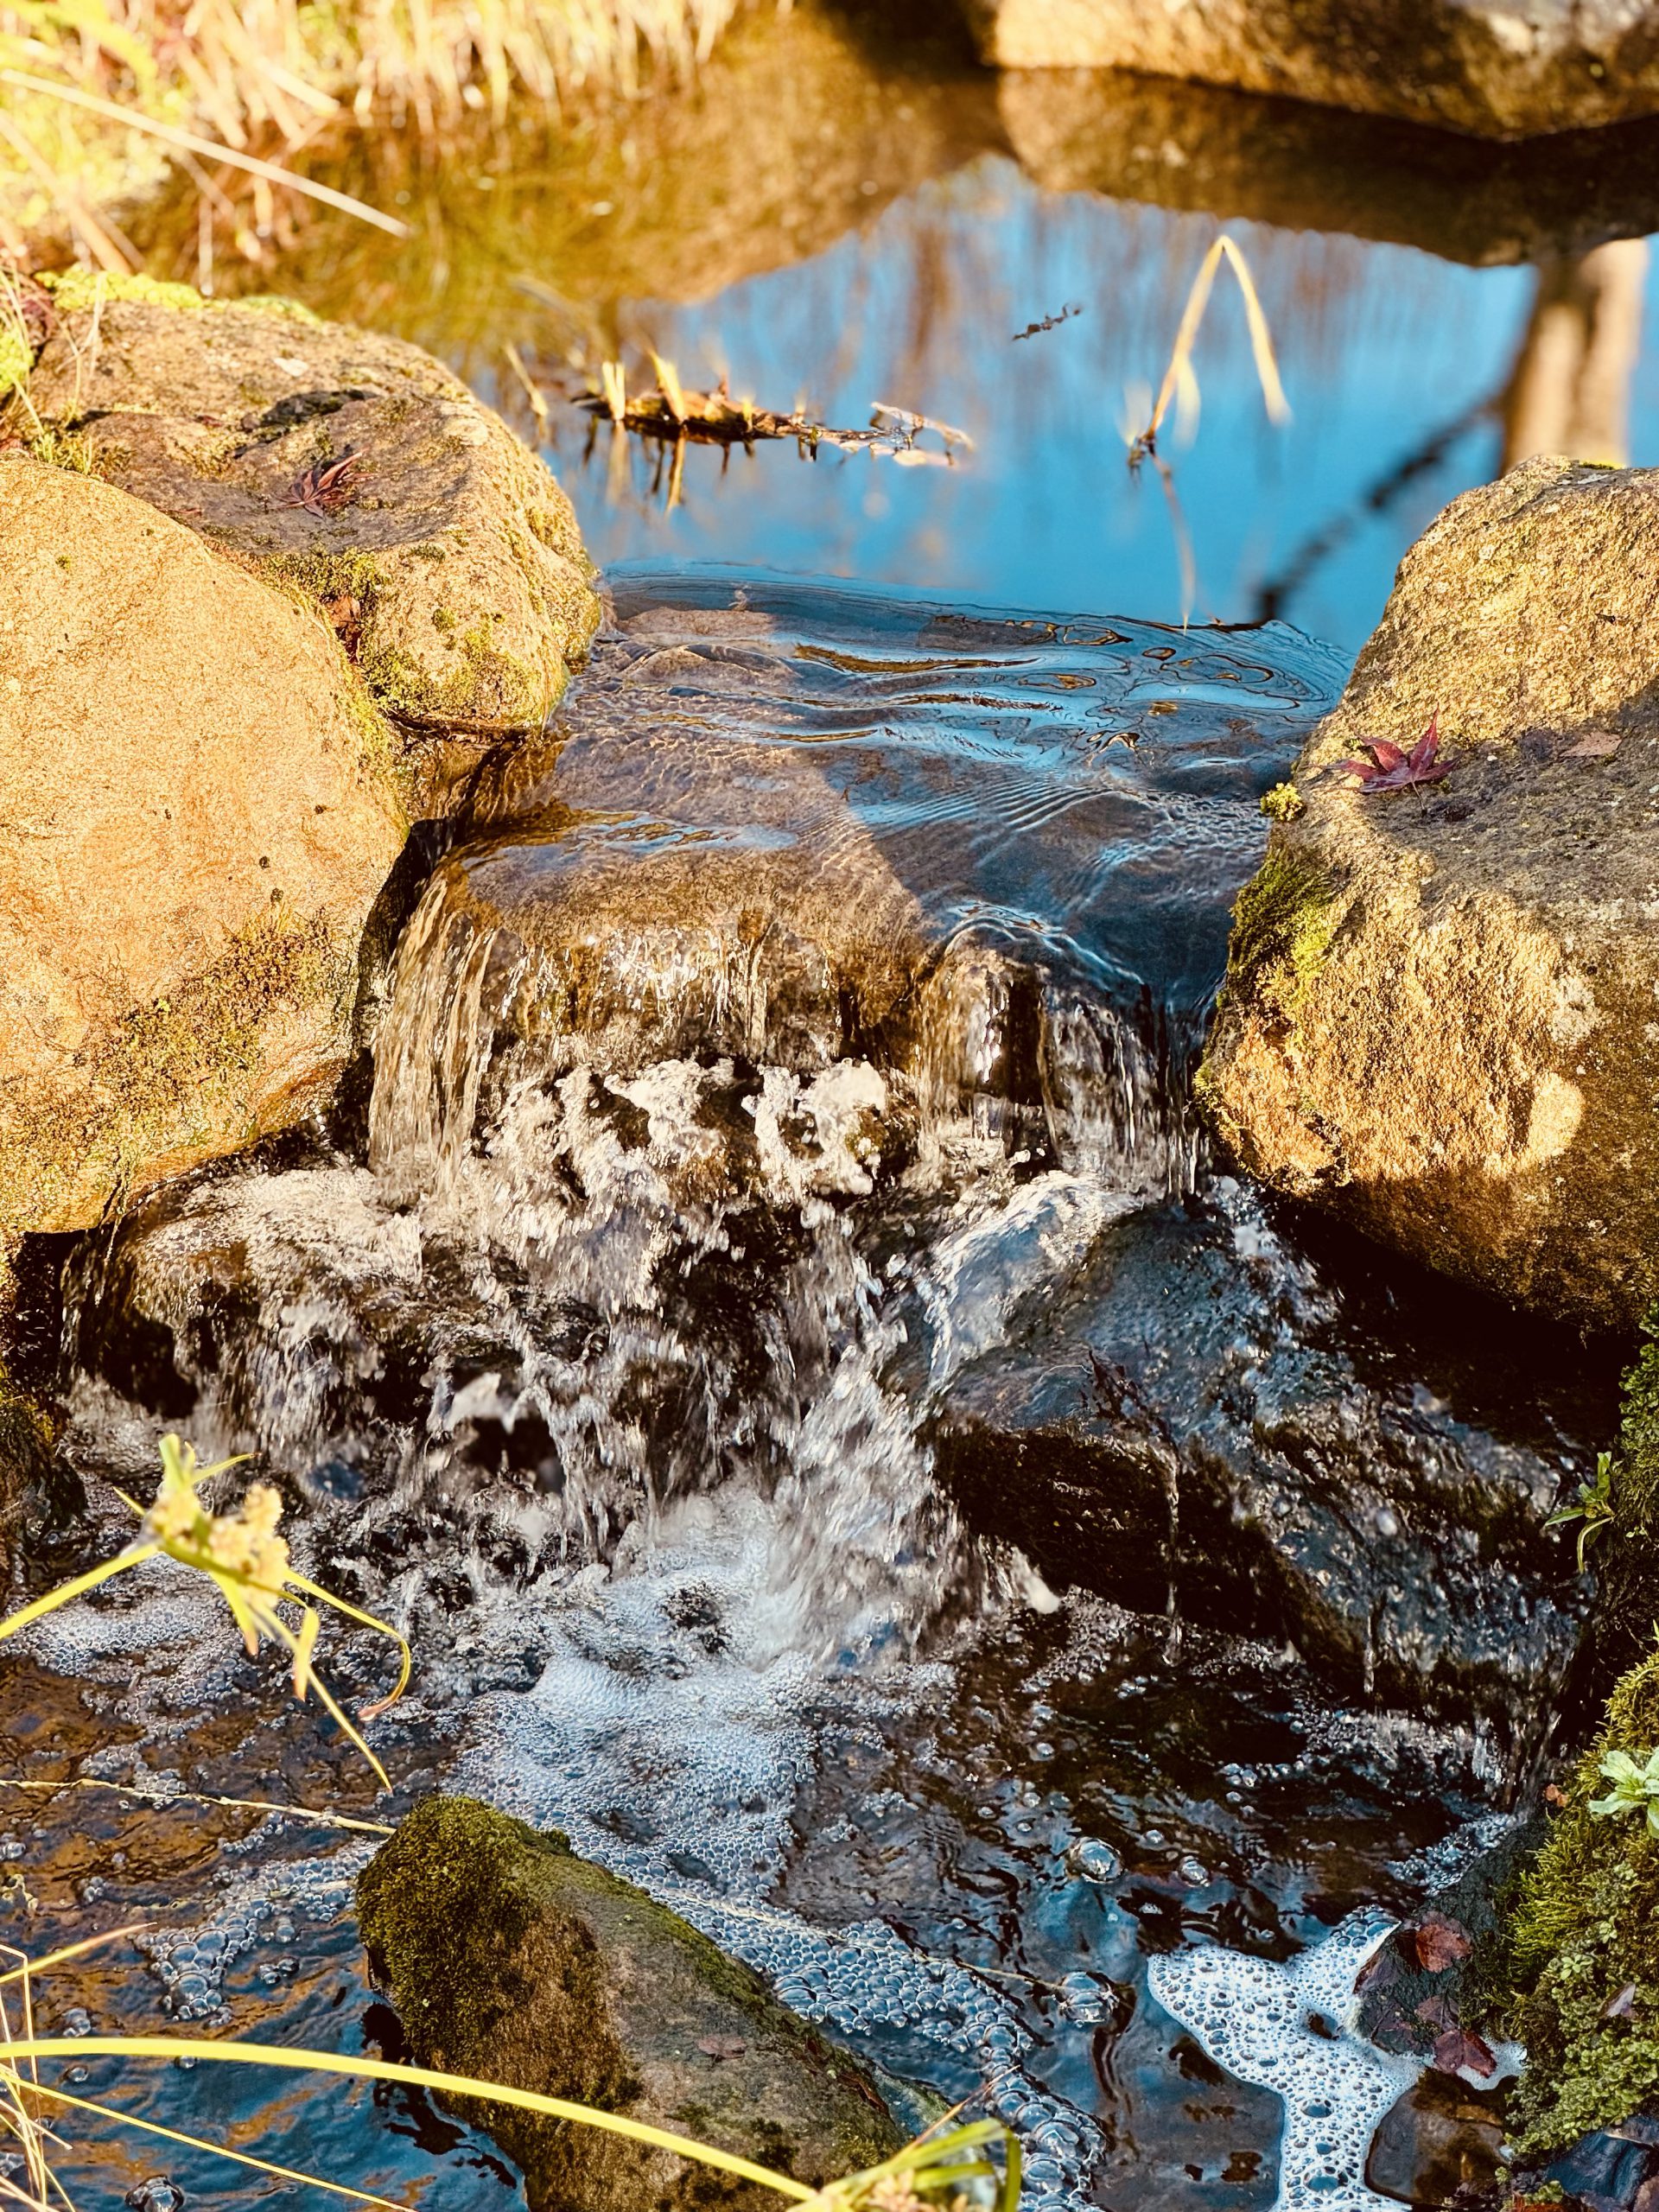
(101, 95)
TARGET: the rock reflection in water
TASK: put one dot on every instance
(799, 1036)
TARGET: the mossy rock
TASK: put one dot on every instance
(1438, 1016)
(203, 812)
(511, 1960)
(442, 551)
(1583, 1947)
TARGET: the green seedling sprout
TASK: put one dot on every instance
(1634, 1788)
(1592, 1506)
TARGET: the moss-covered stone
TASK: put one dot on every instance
(1583, 1947)
(433, 473)
(511, 1960)
(1470, 1069)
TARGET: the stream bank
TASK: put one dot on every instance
(661, 1330)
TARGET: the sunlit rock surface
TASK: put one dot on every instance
(1479, 66)
(198, 822)
(354, 467)
(1439, 1013)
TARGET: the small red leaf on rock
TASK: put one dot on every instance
(1389, 769)
(1439, 1942)
(1460, 2051)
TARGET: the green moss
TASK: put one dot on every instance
(1284, 802)
(487, 686)
(513, 1961)
(1626, 1556)
(74, 290)
(1283, 922)
(1586, 1929)
(69, 449)
(278, 303)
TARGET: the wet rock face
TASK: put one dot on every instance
(511, 1959)
(804, 829)
(1266, 1466)
(1440, 2144)
(1477, 65)
(1438, 1013)
(354, 466)
(196, 790)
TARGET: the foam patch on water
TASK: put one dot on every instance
(1292, 2029)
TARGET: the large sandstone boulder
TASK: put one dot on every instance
(1490, 66)
(196, 819)
(511, 1960)
(354, 466)
(1442, 1009)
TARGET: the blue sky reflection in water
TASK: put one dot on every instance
(1384, 351)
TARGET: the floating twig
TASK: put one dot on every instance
(1049, 323)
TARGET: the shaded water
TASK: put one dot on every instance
(768, 1321)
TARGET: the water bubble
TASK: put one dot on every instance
(1095, 1860)
(1086, 1999)
(157, 2194)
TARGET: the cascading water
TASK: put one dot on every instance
(785, 1076)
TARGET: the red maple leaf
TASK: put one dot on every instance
(1439, 1942)
(1459, 2049)
(1388, 769)
(322, 490)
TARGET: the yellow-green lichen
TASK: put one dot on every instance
(488, 686)
(1284, 802)
(74, 290)
(278, 303)
(1283, 921)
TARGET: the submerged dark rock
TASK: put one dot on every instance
(1264, 1466)
(1441, 2144)
(511, 1960)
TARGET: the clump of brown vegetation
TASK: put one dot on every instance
(97, 99)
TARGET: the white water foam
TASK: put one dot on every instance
(1258, 2019)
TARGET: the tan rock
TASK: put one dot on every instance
(442, 549)
(1211, 151)
(1500, 68)
(195, 823)
(1442, 1011)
